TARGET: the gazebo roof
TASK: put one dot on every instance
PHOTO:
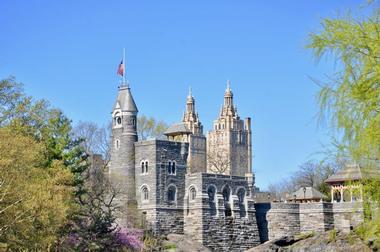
(352, 172)
(310, 193)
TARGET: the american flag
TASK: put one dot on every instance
(120, 69)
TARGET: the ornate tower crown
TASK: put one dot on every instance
(190, 117)
(228, 109)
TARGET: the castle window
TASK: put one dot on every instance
(144, 167)
(211, 198)
(226, 199)
(117, 144)
(192, 193)
(118, 120)
(172, 194)
(144, 194)
(171, 168)
(241, 195)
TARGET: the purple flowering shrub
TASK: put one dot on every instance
(119, 239)
(130, 238)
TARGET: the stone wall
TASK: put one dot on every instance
(294, 218)
(347, 215)
(317, 217)
(230, 233)
(206, 221)
(283, 219)
(169, 221)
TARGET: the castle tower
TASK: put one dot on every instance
(124, 136)
(229, 143)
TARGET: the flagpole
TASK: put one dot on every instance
(123, 66)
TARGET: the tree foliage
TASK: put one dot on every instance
(34, 199)
(148, 127)
(351, 98)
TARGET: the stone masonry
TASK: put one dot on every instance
(222, 213)
(294, 218)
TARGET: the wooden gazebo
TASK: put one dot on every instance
(346, 184)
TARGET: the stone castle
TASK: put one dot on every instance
(203, 187)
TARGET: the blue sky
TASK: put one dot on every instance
(68, 51)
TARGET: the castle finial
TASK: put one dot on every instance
(190, 92)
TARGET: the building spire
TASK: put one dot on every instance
(190, 116)
(228, 86)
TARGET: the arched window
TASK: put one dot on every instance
(192, 193)
(171, 194)
(144, 194)
(117, 119)
(226, 199)
(241, 196)
(211, 198)
(146, 167)
(211, 193)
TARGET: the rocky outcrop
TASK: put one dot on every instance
(331, 241)
(181, 243)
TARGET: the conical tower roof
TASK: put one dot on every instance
(125, 100)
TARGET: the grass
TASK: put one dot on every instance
(332, 235)
(170, 246)
(304, 235)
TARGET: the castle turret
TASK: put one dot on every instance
(124, 135)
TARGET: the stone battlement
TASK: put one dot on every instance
(280, 219)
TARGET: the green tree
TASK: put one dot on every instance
(351, 98)
(34, 200)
